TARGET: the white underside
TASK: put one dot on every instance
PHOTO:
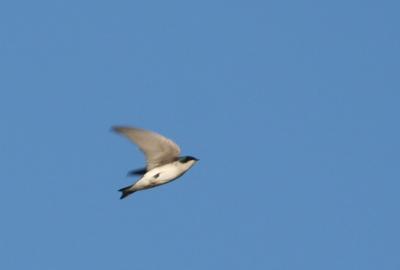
(162, 175)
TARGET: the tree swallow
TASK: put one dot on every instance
(163, 161)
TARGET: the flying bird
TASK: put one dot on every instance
(163, 161)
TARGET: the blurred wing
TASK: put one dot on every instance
(157, 149)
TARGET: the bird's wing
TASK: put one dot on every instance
(157, 149)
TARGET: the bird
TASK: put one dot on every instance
(164, 163)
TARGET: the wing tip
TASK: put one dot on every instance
(119, 129)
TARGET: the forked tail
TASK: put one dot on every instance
(126, 191)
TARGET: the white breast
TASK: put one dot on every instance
(163, 174)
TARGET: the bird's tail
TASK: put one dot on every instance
(126, 191)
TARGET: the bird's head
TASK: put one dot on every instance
(187, 159)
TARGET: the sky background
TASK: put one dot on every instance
(292, 108)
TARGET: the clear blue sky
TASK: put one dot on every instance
(292, 107)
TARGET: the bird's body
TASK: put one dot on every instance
(161, 175)
(163, 162)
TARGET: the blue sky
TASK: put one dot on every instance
(291, 106)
